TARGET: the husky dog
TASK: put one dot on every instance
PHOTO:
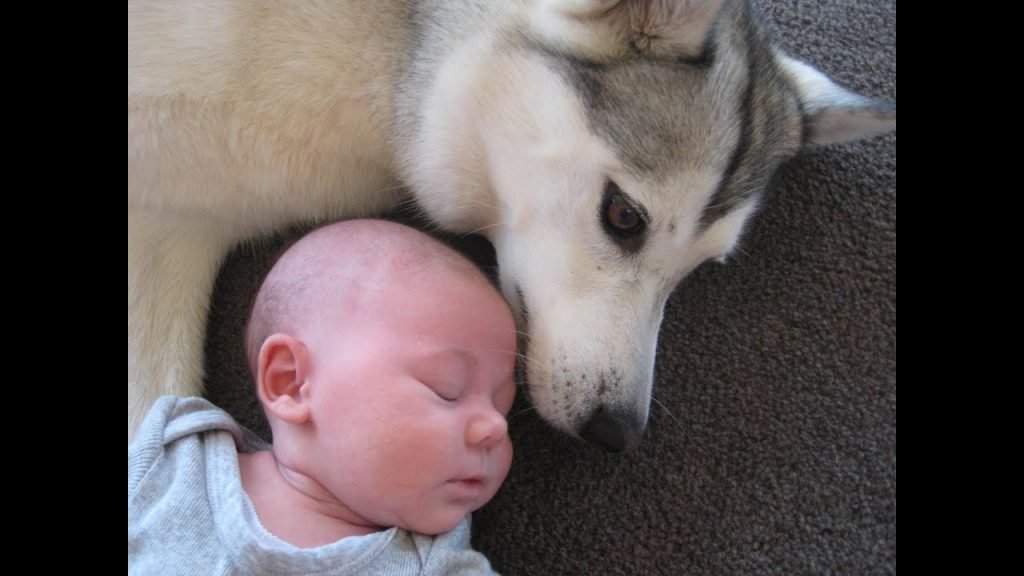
(604, 147)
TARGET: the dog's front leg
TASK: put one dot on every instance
(172, 264)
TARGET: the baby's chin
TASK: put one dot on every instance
(441, 521)
(436, 526)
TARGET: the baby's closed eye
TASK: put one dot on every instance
(447, 381)
(447, 390)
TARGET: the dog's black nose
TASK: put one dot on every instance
(613, 432)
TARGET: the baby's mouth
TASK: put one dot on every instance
(469, 484)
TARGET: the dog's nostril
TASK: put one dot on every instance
(611, 431)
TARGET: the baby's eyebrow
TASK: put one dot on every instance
(461, 356)
(466, 355)
(467, 358)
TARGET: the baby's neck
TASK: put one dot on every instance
(288, 509)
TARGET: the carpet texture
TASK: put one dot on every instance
(771, 447)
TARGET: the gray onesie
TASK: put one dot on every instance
(188, 514)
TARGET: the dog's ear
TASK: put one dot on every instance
(608, 29)
(833, 114)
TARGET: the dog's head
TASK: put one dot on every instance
(607, 149)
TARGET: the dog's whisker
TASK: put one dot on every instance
(526, 410)
(667, 411)
(742, 251)
(482, 228)
(522, 356)
(524, 419)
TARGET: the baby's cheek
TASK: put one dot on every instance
(505, 459)
(428, 444)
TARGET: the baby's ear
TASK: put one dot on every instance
(283, 367)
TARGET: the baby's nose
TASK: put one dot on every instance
(486, 429)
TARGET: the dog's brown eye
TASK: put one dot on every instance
(622, 219)
(622, 216)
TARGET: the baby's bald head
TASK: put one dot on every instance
(344, 264)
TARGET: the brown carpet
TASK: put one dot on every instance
(771, 447)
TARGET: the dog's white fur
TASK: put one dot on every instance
(247, 116)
